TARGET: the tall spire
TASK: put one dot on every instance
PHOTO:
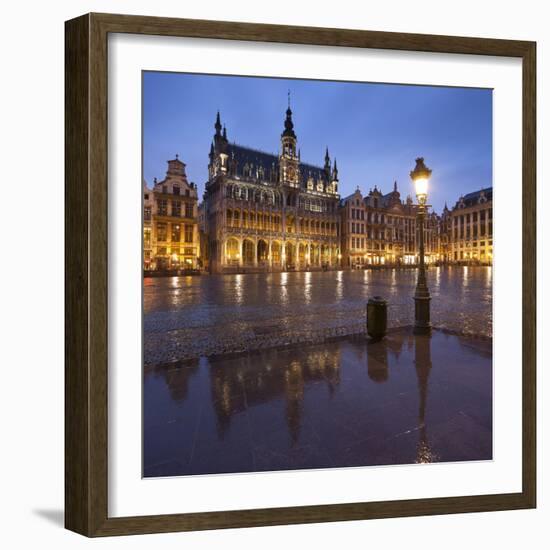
(327, 163)
(289, 125)
(224, 133)
(218, 124)
(335, 171)
(395, 186)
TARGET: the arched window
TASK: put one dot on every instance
(232, 251)
(248, 252)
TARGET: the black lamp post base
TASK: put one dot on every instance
(422, 323)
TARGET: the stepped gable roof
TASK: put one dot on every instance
(345, 199)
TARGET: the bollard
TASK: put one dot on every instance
(377, 317)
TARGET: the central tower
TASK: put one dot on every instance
(289, 160)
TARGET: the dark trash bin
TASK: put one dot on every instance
(377, 317)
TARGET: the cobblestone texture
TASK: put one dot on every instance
(187, 317)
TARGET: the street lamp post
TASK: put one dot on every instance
(420, 176)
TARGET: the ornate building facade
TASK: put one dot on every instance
(266, 212)
(170, 222)
(380, 229)
(270, 212)
(471, 228)
(147, 227)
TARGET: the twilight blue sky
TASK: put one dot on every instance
(374, 130)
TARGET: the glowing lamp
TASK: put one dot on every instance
(420, 176)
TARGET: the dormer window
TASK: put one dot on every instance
(176, 189)
(165, 189)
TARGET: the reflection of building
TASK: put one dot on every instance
(471, 234)
(177, 377)
(170, 221)
(381, 229)
(268, 380)
(270, 212)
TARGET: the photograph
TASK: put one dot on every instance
(317, 276)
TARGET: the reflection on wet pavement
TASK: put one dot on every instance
(347, 402)
(187, 317)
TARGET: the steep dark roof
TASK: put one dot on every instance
(248, 155)
(316, 171)
(268, 161)
(472, 199)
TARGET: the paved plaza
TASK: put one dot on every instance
(188, 317)
(265, 372)
(347, 402)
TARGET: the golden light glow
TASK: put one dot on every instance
(421, 186)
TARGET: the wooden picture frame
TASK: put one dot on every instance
(86, 320)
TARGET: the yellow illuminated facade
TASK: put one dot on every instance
(270, 212)
(380, 229)
(170, 222)
(471, 228)
(266, 212)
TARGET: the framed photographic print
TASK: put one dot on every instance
(300, 275)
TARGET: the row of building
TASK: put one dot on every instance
(262, 211)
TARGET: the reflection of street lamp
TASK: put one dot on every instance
(420, 176)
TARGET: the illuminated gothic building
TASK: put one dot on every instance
(471, 228)
(270, 212)
(380, 229)
(266, 212)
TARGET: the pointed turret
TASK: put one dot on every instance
(335, 171)
(218, 125)
(327, 167)
(289, 162)
(289, 125)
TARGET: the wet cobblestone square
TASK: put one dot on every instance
(349, 402)
(265, 372)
